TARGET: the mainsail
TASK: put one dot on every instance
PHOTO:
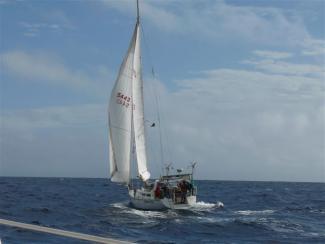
(126, 116)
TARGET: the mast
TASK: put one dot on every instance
(138, 15)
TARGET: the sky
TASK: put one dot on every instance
(240, 86)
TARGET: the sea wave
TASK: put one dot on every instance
(206, 205)
(126, 209)
(296, 216)
(147, 213)
(255, 212)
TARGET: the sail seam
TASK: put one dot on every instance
(116, 127)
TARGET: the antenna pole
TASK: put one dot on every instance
(138, 15)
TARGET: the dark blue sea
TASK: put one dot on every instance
(254, 212)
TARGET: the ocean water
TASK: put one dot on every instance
(254, 212)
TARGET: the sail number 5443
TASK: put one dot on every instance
(123, 99)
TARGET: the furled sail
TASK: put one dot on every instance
(138, 113)
(120, 118)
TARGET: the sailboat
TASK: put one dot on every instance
(127, 131)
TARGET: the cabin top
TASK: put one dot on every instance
(176, 177)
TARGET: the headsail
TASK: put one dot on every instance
(138, 113)
(120, 118)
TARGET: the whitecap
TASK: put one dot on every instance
(285, 226)
(206, 206)
(255, 212)
(206, 219)
(121, 205)
(145, 213)
(178, 221)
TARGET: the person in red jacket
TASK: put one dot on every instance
(157, 191)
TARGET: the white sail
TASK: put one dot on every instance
(138, 113)
(120, 118)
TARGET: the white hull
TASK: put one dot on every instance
(147, 204)
(145, 200)
(168, 203)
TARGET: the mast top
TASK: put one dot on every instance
(138, 15)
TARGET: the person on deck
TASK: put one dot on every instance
(157, 191)
(183, 188)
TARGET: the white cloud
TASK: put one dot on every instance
(235, 123)
(221, 21)
(54, 141)
(34, 29)
(159, 16)
(40, 67)
(61, 19)
(314, 47)
(244, 124)
(280, 67)
(51, 22)
(54, 117)
(234, 85)
(272, 54)
(217, 19)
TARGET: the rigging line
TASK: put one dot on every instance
(133, 156)
(156, 97)
(167, 145)
(65, 233)
(158, 117)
